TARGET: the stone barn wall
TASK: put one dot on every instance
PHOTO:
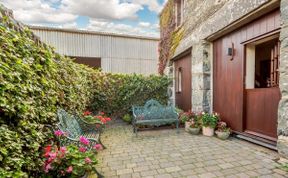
(283, 106)
(204, 18)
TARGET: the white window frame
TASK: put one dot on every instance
(182, 4)
(179, 79)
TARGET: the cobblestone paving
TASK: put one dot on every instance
(165, 154)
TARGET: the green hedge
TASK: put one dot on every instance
(35, 81)
(116, 93)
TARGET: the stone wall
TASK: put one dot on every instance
(283, 106)
(203, 18)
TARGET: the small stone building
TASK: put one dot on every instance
(231, 57)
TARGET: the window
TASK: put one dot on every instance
(179, 80)
(267, 64)
(179, 8)
(262, 64)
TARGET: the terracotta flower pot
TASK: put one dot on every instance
(208, 131)
(222, 135)
(187, 126)
(194, 131)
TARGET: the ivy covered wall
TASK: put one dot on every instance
(170, 35)
(35, 81)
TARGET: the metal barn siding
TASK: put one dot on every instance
(118, 53)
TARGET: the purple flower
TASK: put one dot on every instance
(82, 149)
(69, 169)
(63, 149)
(88, 160)
(84, 140)
(47, 168)
(59, 133)
(97, 147)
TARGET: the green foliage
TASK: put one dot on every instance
(209, 120)
(35, 81)
(127, 118)
(284, 167)
(171, 35)
(186, 116)
(68, 161)
(116, 93)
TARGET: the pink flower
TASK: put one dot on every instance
(97, 147)
(69, 169)
(47, 168)
(88, 160)
(84, 140)
(63, 149)
(58, 133)
(52, 155)
(82, 149)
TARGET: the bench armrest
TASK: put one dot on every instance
(96, 126)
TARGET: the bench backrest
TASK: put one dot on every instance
(154, 110)
(69, 124)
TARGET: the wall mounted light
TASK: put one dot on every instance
(230, 51)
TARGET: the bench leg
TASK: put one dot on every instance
(99, 175)
(177, 127)
(104, 147)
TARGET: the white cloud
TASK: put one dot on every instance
(37, 11)
(144, 24)
(102, 9)
(103, 15)
(153, 5)
(106, 26)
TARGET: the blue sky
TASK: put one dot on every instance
(134, 17)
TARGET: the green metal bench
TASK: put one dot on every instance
(74, 127)
(154, 114)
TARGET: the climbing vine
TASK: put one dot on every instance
(170, 36)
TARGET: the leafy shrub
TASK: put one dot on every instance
(35, 81)
(70, 160)
(116, 93)
(210, 120)
(127, 118)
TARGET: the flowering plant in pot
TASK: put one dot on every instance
(69, 161)
(222, 131)
(186, 118)
(99, 118)
(209, 123)
(195, 126)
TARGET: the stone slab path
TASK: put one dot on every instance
(165, 154)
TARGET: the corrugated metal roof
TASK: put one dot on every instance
(90, 32)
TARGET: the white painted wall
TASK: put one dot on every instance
(118, 53)
(250, 66)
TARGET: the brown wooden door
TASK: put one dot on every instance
(228, 75)
(262, 101)
(261, 112)
(183, 83)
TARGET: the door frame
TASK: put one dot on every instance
(244, 119)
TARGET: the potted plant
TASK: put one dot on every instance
(209, 123)
(127, 118)
(195, 126)
(99, 118)
(222, 131)
(185, 118)
(71, 160)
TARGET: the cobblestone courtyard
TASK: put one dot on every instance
(164, 153)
